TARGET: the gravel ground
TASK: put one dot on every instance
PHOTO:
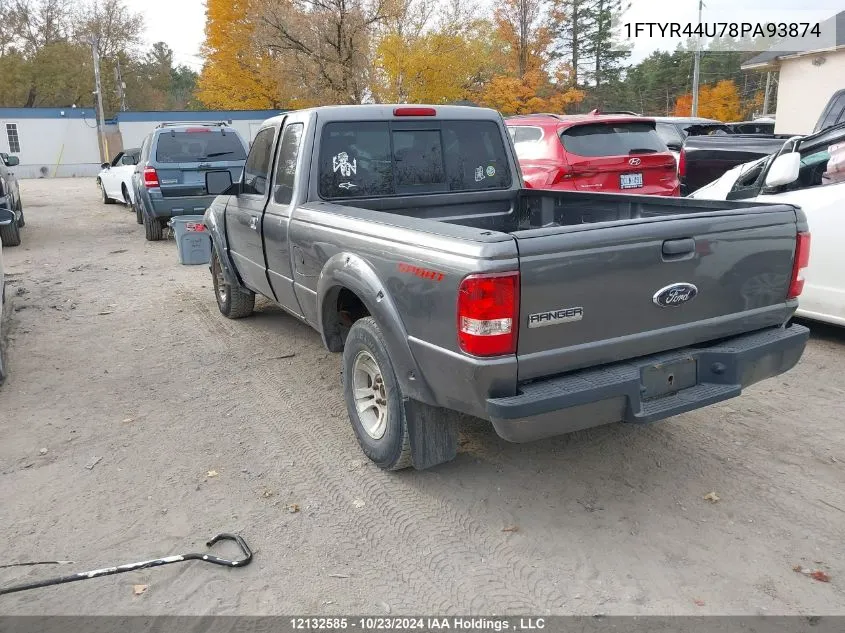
(138, 422)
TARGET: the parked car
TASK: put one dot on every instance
(703, 159)
(169, 179)
(7, 218)
(593, 152)
(798, 177)
(115, 179)
(10, 198)
(404, 235)
(751, 127)
(674, 129)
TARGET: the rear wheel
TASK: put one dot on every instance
(10, 235)
(374, 399)
(139, 216)
(106, 199)
(233, 302)
(152, 229)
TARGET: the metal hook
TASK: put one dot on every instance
(144, 564)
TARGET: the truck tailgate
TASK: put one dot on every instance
(591, 293)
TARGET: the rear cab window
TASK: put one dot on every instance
(361, 159)
(199, 145)
(612, 139)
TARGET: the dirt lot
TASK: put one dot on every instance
(118, 353)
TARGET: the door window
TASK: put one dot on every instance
(286, 168)
(257, 168)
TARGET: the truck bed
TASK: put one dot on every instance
(605, 256)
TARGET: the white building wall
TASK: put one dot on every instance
(804, 90)
(54, 147)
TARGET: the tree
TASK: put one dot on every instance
(323, 46)
(719, 101)
(526, 81)
(416, 62)
(237, 72)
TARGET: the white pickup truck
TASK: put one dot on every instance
(797, 176)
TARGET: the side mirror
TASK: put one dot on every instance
(219, 183)
(105, 165)
(6, 216)
(12, 161)
(784, 170)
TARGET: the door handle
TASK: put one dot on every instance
(253, 223)
(679, 248)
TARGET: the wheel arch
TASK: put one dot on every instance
(348, 281)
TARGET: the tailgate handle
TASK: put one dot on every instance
(678, 248)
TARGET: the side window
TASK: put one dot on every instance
(286, 168)
(14, 139)
(669, 134)
(257, 168)
(145, 149)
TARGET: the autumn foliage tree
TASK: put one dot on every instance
(527, 82)
(237, 74)
(719, 101)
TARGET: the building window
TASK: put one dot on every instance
(14, 139)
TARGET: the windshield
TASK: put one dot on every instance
(200, 145)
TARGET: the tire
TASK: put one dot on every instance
(152, 229)
(21, 220)
(381, 427)
(233, 303)
(139, 216)
(10, 235)
(125, 193)
(106, 199)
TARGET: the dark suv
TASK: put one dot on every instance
(10, 199)
(169, 179)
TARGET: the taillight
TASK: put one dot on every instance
(682, 164)
(557, 175)
(488, 314)
(150, 177)
(802, 260)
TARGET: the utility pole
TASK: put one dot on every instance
(121, 87)
(697, 67)
(101, 124)
(766, 94)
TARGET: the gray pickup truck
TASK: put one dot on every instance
(404, 235)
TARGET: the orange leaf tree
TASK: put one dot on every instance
(719, 101)
(236, 75)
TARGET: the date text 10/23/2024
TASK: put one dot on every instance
(426, 623)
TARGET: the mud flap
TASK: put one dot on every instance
(433, 433)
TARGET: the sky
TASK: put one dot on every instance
(180, 23)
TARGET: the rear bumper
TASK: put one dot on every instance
(161, 207)
(618, 392)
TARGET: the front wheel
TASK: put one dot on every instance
(374, 400)
(21, 220)
(233, 303)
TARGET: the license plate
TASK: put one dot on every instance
(664, 378)
(630, 181)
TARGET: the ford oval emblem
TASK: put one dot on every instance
(634, 161)
(675, 295)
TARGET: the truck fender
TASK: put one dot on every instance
(349, 271)
(213, 221)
